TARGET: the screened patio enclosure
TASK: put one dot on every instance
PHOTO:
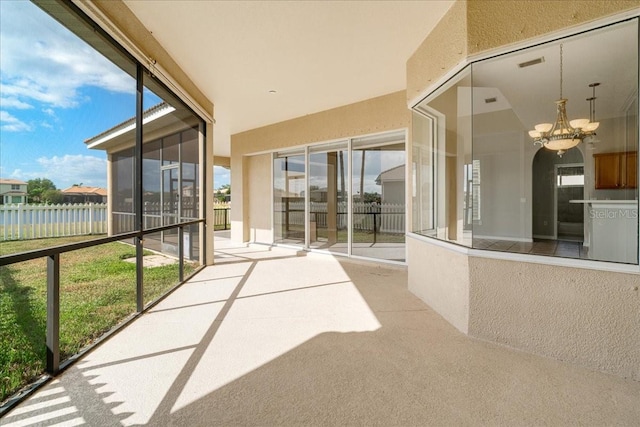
(170, 179)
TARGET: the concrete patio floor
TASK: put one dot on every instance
(271, 336)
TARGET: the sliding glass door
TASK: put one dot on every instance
(344, 197)
(378, 169)
(289, 183)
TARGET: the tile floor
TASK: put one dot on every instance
(558, 248)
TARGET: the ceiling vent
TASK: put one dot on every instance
(490, 100)
(532, 62)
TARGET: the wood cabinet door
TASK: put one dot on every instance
(631, 170)
(607, 170)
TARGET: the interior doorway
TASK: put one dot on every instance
(569, 188)
(556, 181)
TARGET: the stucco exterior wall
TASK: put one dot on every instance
(443, 49)
(587, 317)
(384, 113)
(496, 23)
(260, 216)
(440, 278)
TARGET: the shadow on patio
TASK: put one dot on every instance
(271, 336)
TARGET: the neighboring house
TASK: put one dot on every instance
(80, 194)
(12, 191)
(392, 181)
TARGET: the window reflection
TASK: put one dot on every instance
(328, 198)
(289, 200)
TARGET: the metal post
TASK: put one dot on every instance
(375, 223)
(137, 195)
(181, 253)
(139, 273)
(53, 314)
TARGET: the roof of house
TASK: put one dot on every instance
(152, 113)
(11, 181)
(393, 174)
(85, 191)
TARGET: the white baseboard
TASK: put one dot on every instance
(539, 236)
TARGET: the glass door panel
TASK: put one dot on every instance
(328, 198)
(378, 174)
(289, 198)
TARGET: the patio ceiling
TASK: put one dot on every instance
(316, 55)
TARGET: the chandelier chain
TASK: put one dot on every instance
(561, 44)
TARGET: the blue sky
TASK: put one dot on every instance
(56, 92)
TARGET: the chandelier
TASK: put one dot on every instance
(563, 134)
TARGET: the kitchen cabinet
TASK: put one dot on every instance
(616, 170)
(631, 170)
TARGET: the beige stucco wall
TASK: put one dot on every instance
(496, 23)
(587, 317)
(440, 278)
(471, 27)
(384, 113)
(259, 191)
(443, 49)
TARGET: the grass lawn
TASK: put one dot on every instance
(97, 291)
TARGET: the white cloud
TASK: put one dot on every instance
(24, 176)
(49, 112)
(66, 170)
(47, 63)
(221, 176)
(14, 103)
(9, 123)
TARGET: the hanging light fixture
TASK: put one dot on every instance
(591, 135)
(563, 134)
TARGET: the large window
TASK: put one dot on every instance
(480, 181)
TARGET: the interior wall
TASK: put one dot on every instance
(384, 113)
(504, 203)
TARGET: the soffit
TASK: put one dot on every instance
(317, 55)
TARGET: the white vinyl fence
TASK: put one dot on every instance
(21, 222)
(387, 217)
